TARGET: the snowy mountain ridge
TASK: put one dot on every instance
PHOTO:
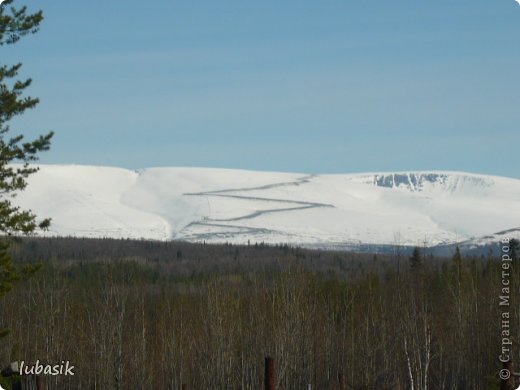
(238, 206)
(418, 181)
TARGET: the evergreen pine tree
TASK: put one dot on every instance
(457, 263)
(16, 154)
(416, 259)
(514, 247)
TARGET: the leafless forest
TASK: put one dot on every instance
(146, 315)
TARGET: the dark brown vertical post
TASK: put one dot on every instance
(39, 382)
(506, 376)
(340, 381)
(184, 386)
(269, 374)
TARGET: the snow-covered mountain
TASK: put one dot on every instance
(223, 205)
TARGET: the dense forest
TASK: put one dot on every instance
(154, 315)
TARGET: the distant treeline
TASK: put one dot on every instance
(154, 315)
(177, 258)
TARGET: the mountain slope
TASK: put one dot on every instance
(223, 205)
